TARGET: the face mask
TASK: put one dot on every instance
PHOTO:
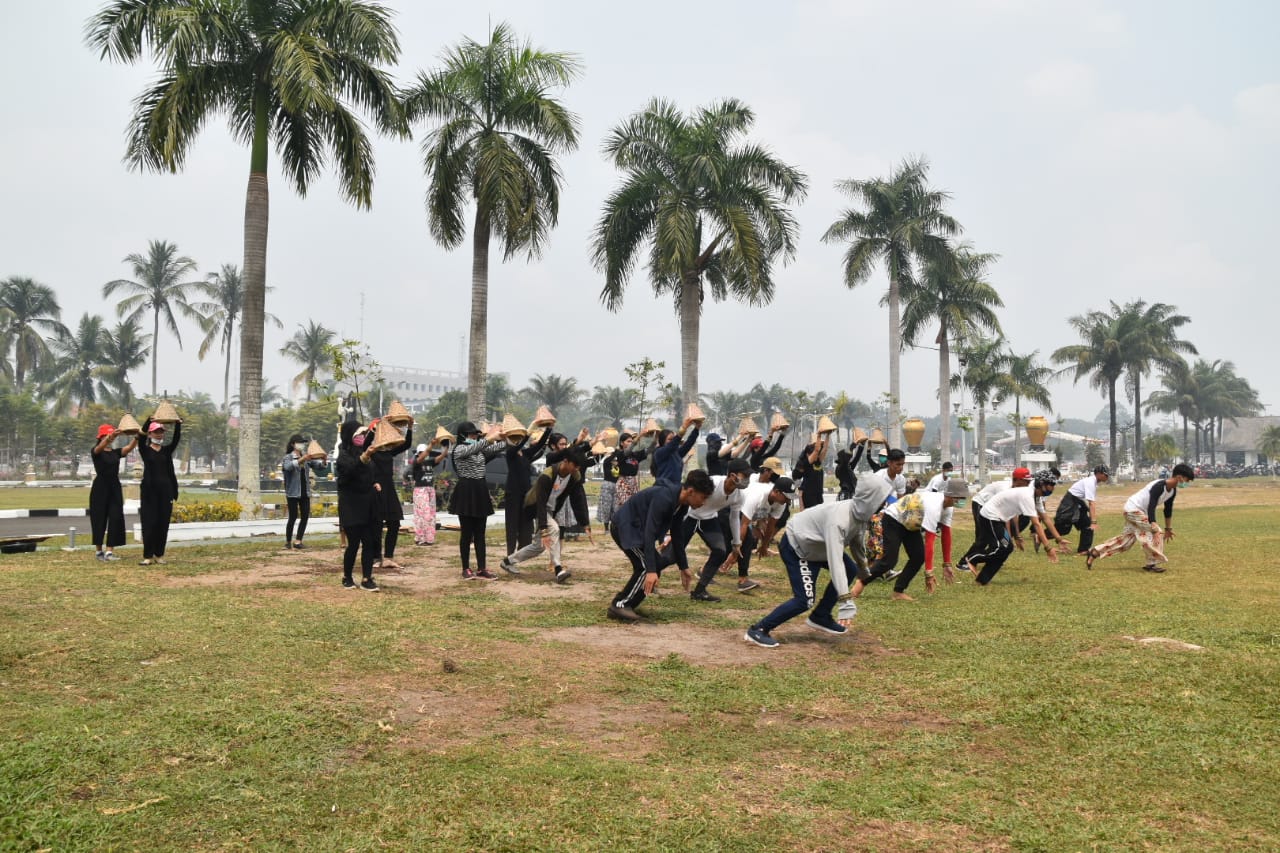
(960, 503)
(471, 440)
(884, 459)
(358, 440)
(743, 482)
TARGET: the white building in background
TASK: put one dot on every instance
(419, 389)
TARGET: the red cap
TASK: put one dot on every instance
(105, 430)
(1022, 473)
(757, 443)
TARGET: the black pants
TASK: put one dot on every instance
(519, 523)
(632, 594)
(712, 531)
(1073, 512)
(392, 537)
(106, 519)
(472, 533)
(990, 549)
(154, 513)
(300, 511)
(363, 538)
(748, 546)
(894, 537)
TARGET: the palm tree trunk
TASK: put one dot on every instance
(690, 321)
(478, 355)
(155, 346)
(253, 318)
(1197, 429)
(1137, 421)
(944, 396)
(1186, 448)
(1111, 399)
(982, 443)
(226, 403)
(895, 353)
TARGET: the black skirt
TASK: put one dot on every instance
(471, 497)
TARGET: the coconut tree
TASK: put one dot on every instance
(952, 293)
(311, 346)
(162, 285)
(1025, 379)
(1222, 395)
(983, 371)
(723, 408)
(286, 73)
(217, 318)
(78, 362)
(1102, 357)
(613, 402)
(26, 309)
(900, 223)
(1269, 445)
(554, 391)
(1160, 448)
(125, 348)
(711, 207)
(1155, 343)
(767, 400)
(495, 132)
(497, 395)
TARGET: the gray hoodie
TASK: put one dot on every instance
(821, 533)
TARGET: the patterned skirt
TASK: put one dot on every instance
(608, 499)
(625, 489)
(875, 538)
(424, 515)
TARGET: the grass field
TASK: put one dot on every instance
(240, 699)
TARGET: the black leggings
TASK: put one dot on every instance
(472, 531)
(358, 536)
(393, 534)
(300, 511)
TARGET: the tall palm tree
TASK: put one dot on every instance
(497, 395)
(496, 131)
(1025, 379)
(951, 291)
(712, 207)
(124, 349)
(613, 402)
(554, 391)
(217, 318)
(724, 408)
(1223, 395)
(1103, 356)
(161, 286)
(311, 346)
(900, 223)
(78, 364)
(286, 72)
(26, 308)
(767, 400)
(983, 371)
(1155, 344)
(1178, 394)
(1269, 445)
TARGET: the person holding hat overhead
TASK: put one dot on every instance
(808, 472)
(520, 455)
(357, 503)
(628, 457)
(294, 469)
(159, 489)
(424, 490)
(106, 499)
(387, 497)
(555, 486)
(471, 501)
(669, 452)
(760, 449)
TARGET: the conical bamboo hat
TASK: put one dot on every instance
(398, 414)
(825, 424)
(165, 413)
(748, 427)
(129, 425)
(650, 427)
(609, 437)
(599, 449)
(779, 421)
(859, 435)
(386, 435)
(543, 418)
(877, 437)
(512, 428)
(443, 434)
(693, 413)
(491, 431)
(536, 435)
(314, 448)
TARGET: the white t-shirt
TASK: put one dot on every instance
(899, 482)
(1139, 501)
(755, 503)
(718, 500)
(1011, 503)
(991, 490)
(934, 513)
(1086, 489)
(938, 483)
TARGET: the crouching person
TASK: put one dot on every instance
(816, 539)
(556, 484)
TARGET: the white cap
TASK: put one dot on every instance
(421, 448)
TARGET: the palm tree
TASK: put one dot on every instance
(26, 306)
(613, 402)
(1103, 356)
(1025, 379)
(217, 318)
(901, 224)
(1222, 396)
(311, 346)
(983, 370)
(496, 132)
(160, 287)
(1160, 448)
(951, 291)
(124, 349)
(497, 395)
(283, 71)
(1269, 445)
(78, 364)
(1178, 394)
(723, 408)
(766, 401)
(711, 207)
(1155, 343)
(554, 391)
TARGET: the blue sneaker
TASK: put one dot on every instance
(760, 637)
(826, 624)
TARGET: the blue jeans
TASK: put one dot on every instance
(803, 575)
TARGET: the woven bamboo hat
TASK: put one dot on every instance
(877, 437)
(129, 425)
(491, 431)
(779, 421)
(542, 418)
(748, 427)
(398, 414)
(859, 435)
(609, 437)
(826, 425)
(314, 448)
(165, 413)
(536, 435)
(693, 413)
(443, 434)
(599, 449)
(650, 427)
(386, 435)
(512, 428)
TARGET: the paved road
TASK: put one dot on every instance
(24, 526)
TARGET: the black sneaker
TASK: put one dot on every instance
(760, 638)
(703, 595)
(563, 574)
(485, 574)
(348, 583)
(1154, 568)
(827, 625)
(747, 584)
(369, 585)
(509, 567)
(468, 575)
(623, 614)
(297, 546)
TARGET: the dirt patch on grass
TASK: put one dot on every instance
(893, 835)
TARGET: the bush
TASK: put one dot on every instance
(216, 511)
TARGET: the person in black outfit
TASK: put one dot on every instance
(471, 501)
(295, 467)
(808, 472)
(357, 504)
(390, 512)
(762, 449)
(520, 454)
(159, 489)
(106, 500)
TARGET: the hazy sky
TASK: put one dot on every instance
(1104, 150)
